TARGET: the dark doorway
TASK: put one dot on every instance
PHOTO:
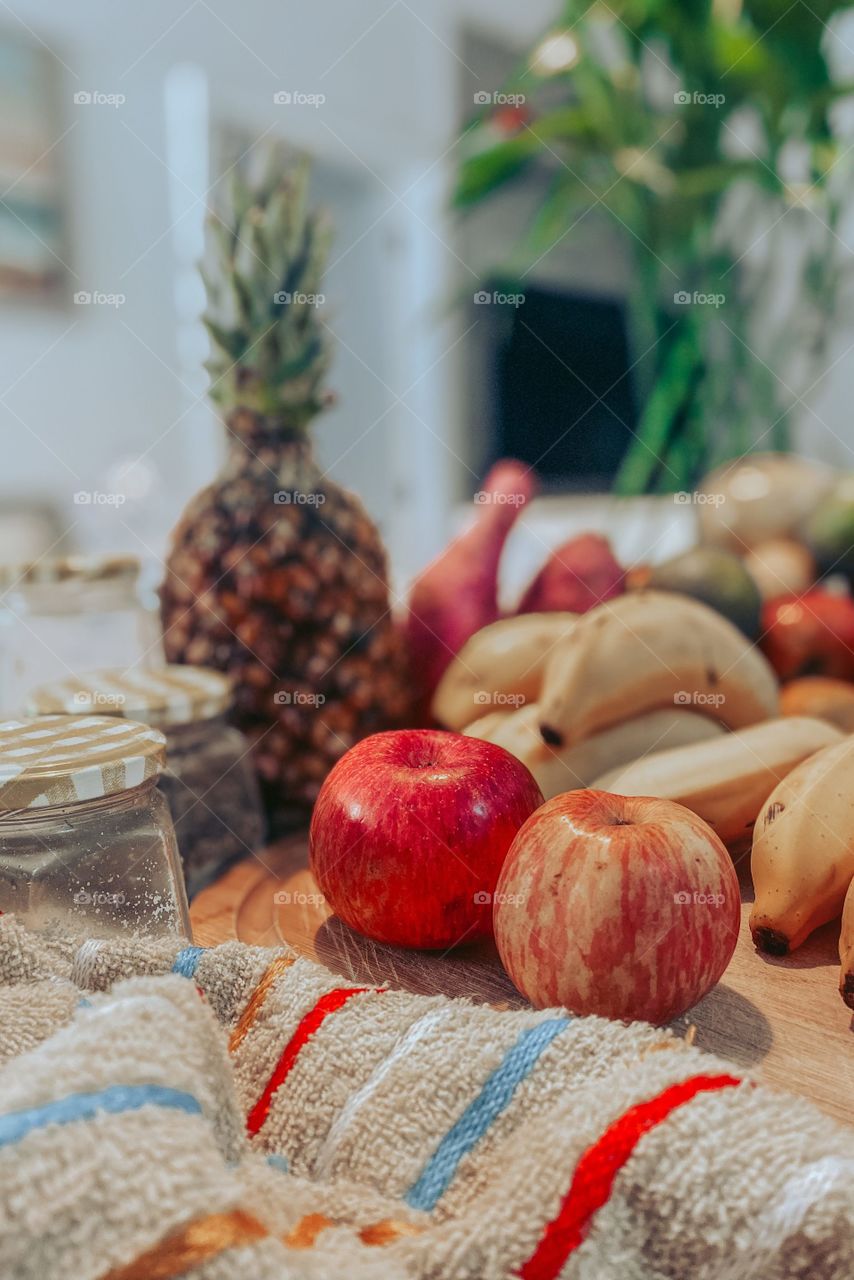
(560, 394)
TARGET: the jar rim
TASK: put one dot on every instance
(51, 760)
(25, 817)
(71, 569)
(166, 696)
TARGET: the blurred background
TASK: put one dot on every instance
(612, 240)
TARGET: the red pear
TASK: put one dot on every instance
(457, 593)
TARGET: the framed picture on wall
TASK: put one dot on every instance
(32, 215)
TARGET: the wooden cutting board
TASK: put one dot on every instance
(781, 1017)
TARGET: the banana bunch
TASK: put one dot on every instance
(846, 949)
(650, 649)
(567, 769)
(803, 853)
(725, 780)
(500, 666)
(574, 696)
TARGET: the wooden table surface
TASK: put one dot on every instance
(781, 1016)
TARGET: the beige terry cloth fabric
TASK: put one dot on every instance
(31, 1012)
(98, 1191)
(423, 1137)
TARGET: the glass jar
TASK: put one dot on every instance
(86, 838)
(61, 617)
(213, 793)
(209, 779)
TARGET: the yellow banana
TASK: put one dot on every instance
(846, 949)
(651, 649)
(501, 666)
(803, 850)
(725, 781)
(559, 771)
(485, 726)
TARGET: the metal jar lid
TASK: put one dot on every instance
(169, 695)
(63, 760)
(72, 569)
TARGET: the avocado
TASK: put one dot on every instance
(829, 531)
(717, 578)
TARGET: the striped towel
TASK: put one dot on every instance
(239, 1111)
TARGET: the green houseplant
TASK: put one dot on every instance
(703, 130)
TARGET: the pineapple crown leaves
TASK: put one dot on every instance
(265, 254)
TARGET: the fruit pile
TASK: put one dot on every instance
(644, 708)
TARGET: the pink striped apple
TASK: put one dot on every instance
(627, 907)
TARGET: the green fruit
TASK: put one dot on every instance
(717, 578)
(829, 530)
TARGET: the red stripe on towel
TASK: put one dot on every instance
(597, 1169)
(314, 1019)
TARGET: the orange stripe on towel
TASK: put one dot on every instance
(304, 1235)
(193, 1245)
(313, 1020)
(275, 969)
(306, 1231)
(385, 1232)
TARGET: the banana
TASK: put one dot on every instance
(499, 666)
(650, 649)
(727, 780)
(803, 850)
(846, 949)
(558, 771)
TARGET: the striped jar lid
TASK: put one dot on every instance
(73, 569)
(169, 695)
(62, 760)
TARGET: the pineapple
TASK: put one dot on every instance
(275, 574)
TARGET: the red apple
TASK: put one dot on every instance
(624, 907)
(578, 575)
(410, 831)
(812, 634)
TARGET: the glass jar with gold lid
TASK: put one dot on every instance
(86, 837)
(209, 779)
(62, 616)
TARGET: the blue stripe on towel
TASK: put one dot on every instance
(187, 961)
(278, 1162)
(84, 1106)
(494, 1097)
